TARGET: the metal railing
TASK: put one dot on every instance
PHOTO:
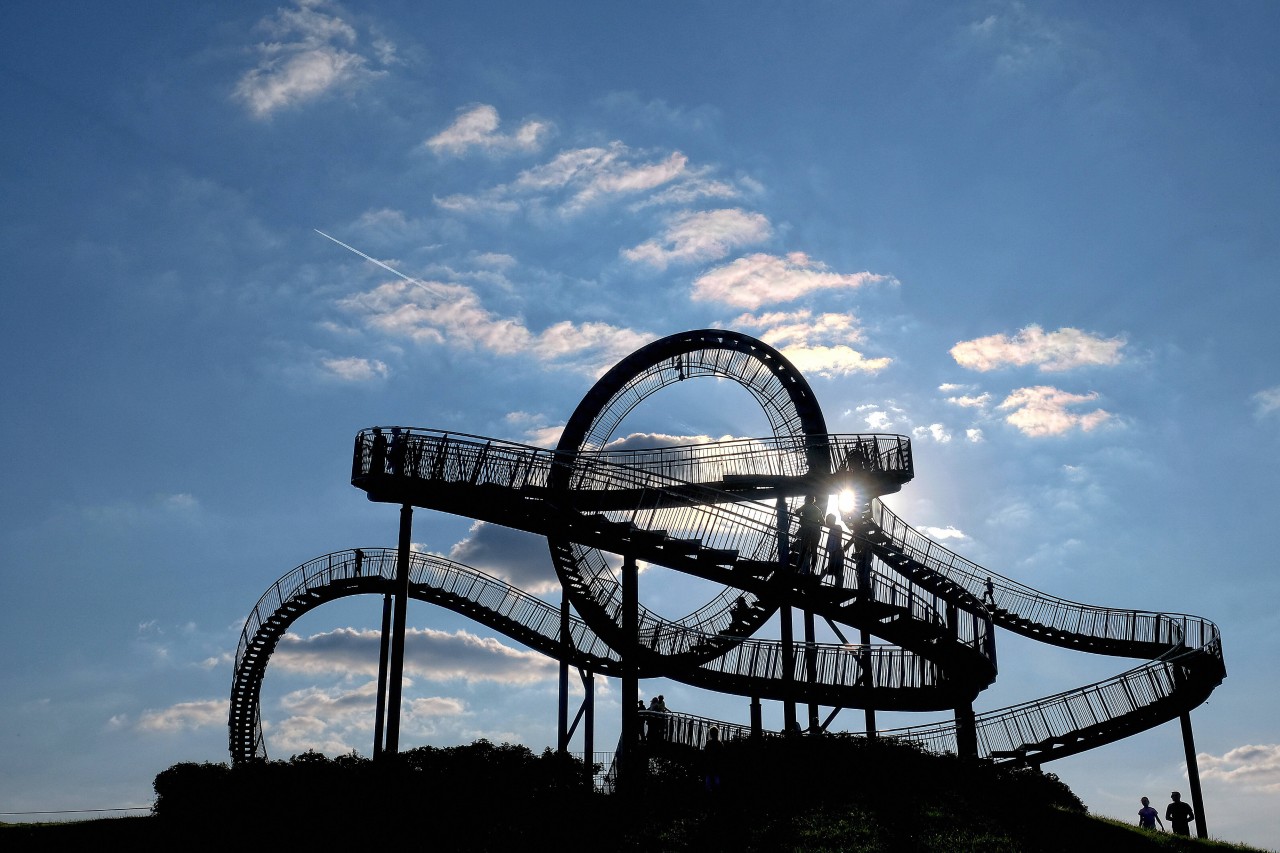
(1056, 614)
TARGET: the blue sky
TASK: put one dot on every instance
(1037, 238)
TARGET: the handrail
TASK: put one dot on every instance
(753, 667)
(681, 510)
(1014, 601)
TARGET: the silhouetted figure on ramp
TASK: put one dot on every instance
(835, 551)
(810, 535)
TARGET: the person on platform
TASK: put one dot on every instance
(835, 551)
(810, 535)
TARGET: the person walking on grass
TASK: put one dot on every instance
(1148, 817)
(1179, 815)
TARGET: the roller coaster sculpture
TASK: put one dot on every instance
(724, 512)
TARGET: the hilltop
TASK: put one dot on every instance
(808, 794)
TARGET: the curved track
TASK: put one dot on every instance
(724, 512)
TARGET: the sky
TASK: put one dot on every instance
(1039, 239)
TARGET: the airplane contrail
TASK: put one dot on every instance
(386, 267)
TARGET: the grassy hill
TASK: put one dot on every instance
(806, 794)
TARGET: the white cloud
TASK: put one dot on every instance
(939, 534)
(815, 345)
(353, 369)
(970, 401)
(477, 127)
(430, 654)
(878, 421)
(1043, 410)
(937, 432)
(973, 435)
(438, 313)
(696, 236)
(185, 716)
(1254, 767)
(305, 57)
(1064, 349)
(1267, 401)
(762, 279)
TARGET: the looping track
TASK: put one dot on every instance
(722, 512)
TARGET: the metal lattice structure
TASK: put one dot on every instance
(724, 512)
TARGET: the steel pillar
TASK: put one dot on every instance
(380, 714)
(865, 593)
(562, 723)
(966, 732)
(1193, 774)
(630, 680)
(397, 637)
(784, 614)
(811, 665)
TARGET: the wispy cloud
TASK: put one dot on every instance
(430, 654)
(1064, 349)
(939, 534)
(1253, 767)
(1266, 401)
(308, 54)
(762, 279)
(575, 180)
(697, 236)
(185, 716)
(476, 127)
(352, 369)
(1043, 410)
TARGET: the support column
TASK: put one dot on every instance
(589, 720)
(966, 732)
(562, 723)
(866, 594)
(811, 666)
(784, 614)
(1193, 774)
(397, 638)
(757, 721)
(380, 714)
(630, 680)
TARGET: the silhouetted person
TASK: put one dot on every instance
(1179, 815)
(989, 593)
(738, 613)
(378, 453)
(711, 754)
(657, 718)
(396, 453)
(359, 561)
(1148, 816)
(835, 551)
(810, 534)
(642, 715)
